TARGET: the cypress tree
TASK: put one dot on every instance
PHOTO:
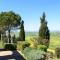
(22, 32)
(44, 33)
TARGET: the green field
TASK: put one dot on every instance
(54, 40)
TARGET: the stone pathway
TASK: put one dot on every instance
(10, 55)
(5, 53)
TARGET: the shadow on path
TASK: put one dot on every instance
(2, 49)
(15, 56)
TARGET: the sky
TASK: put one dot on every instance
(31, 11)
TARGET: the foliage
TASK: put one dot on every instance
(14, 39)
(17, 38)
(57, 51)
(21, 45)
(44, 31)
(26, 44)
(54, 40)
(33, 42)
(42, 48)
(33, 54)
(22, 32)
(50, 54)
(43, 42)
(9, 20)
(50, 50)
(10, 46)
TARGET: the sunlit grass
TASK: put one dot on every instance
(54, 42)
(1, 44)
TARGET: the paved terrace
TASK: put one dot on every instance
(10, 55)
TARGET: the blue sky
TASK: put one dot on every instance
(31, 11)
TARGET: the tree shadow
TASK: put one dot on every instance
(15, 56)
(2, 49)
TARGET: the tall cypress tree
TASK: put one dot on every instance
(22, 31)
(44, 33)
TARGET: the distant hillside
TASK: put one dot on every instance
(31, 33)
(56, 33)
(35, 33)
(26, 33)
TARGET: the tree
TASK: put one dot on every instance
(22, 32)
(44, 33)
(2, 26)
(14, 39)
(9, 20)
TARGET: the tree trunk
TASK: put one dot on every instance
(1, 36)
(9, 36)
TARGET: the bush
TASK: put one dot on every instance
(43, 41)
(14, 39)
(42, 48)
(17, 38)
(33, 42)
(50, 54)
(26, 44)
(57, 51)
(10, 46)
(22, 44)
(34, 54)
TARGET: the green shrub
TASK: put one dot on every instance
(33, 42)
(34, 54)
(42, 47)
(50, 54)
(26, 44)
(22, 44)
(10, 46)
(43, 41)
(14, 39)
(57, 51)
(17, 38)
